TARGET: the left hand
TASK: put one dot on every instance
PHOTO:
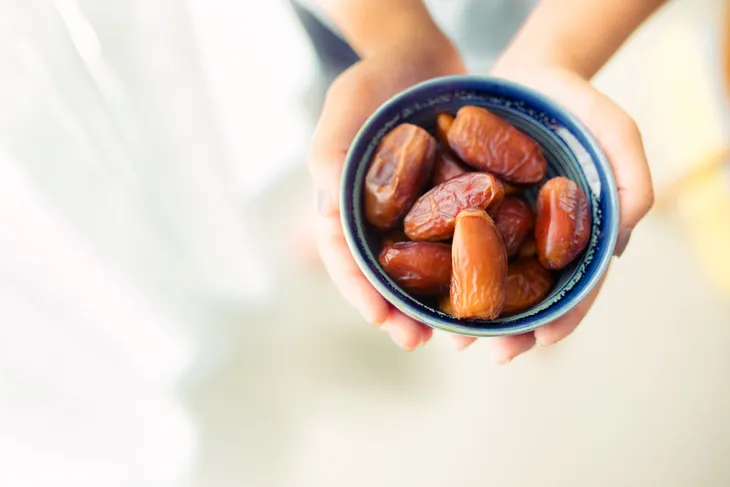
(351, 99)
(619, 136)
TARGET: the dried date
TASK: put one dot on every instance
(445, 306)
(419, 268)
(514, 219)
(489, 143)
(446, 166)
(433, 215)
(398, 173)
(528, 283)
(479, 267)
(563, 224)
(394, 236)
(528, 247)
(443, 124)
(510, 189)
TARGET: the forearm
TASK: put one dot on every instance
(580, 35)
(374, 26)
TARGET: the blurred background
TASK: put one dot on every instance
(161, 323)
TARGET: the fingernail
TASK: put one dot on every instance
(501, 360)
(621, 244)
(397, 339)
(498, 356)
(460, 344)
(543, 342)
(394, 334)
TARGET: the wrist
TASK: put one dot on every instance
(425, 43)
(436, 51)
(573, 35)
(549, 78)
(517, 65)
(373, 27)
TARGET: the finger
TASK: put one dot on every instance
(554, 332)
(345, 273)
(621, 140)
(406, 332)
(356, 289)
(622, 243)
(426, 334)
(461, 342)
(347, 106)
(618, 136)
(502, 350)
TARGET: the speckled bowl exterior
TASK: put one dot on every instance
(570, 150)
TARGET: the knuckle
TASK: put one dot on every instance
(630, 128)
(631, 124)
(323, 156)
(649, 199)
(334, 90)
(352, 82)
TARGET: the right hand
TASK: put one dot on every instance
(351, 99)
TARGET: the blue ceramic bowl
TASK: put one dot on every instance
(570, 151)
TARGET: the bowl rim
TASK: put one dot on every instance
(487, 84)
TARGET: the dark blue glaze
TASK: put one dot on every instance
(570, 150)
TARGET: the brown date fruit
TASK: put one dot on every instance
(563, 225)
(489, 143)
(443, 124)
(446, 166)
(510, 189)
(514, 219)
(394, 236)
(528, 283)
(445, 306)
(433, 215)
(479, 267)
(398, 173)
(528, 247)
(419, 268)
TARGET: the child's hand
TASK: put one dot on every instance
(579, 36)
(352, 98)
(619, 137)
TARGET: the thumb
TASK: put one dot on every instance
(348, 104)
(621, 140)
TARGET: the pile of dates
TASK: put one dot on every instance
(456, 231)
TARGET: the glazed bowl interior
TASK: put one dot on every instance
(570, 151)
